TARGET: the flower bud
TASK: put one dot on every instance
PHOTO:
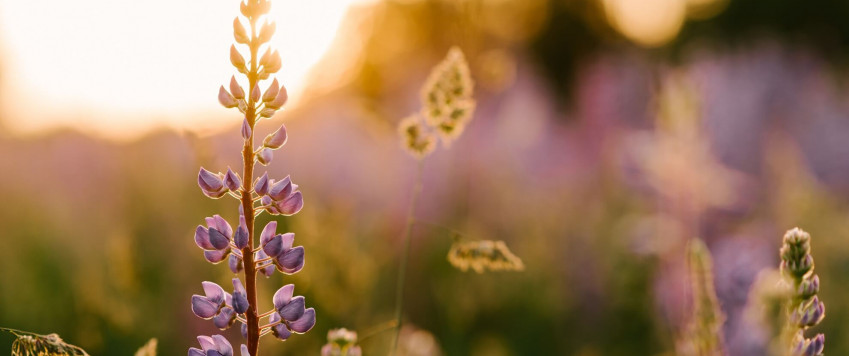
(240, 297)
(276, 139)
(235, 263)
(240, 238)
(236, 89)
(261, 185)
(255, 95)
(232, 180)
(267, 31)
(264, 157)
(226, 100)
(271, 92)
(239, 32)
(263, 7)
(211, 184)
(246, 129)
(809, 287)
(245, 10)
(279, 100)
(273, 63)
(237, 60)
(279, 331)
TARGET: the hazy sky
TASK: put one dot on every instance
(123, 67)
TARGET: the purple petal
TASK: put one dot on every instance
(268, 232)
(283, 296)
(206, 342)
(203, 307)
(196, 352)
(266, 200)
(292, 310)
(222, 345)
(273, 246)
(235, 88)
(288, 240)
(240, 298)
(218, 240)
(226, 100)
(232, 180)
(304, 323)
(225, 318)
(281, 332)
(267, 271)
(235, 264)
(280, 99)
(244, 330)
(281, 190)
(261, 185)
(240, 238)
(222, 226)
(292, 260)
(245, 351)
(292, 205)
(202, 238)
(213, 292)
(213, 353)
(209, 181)
(216, 256)
(265, 156)
(276, 139)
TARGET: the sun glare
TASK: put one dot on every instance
(123, 68)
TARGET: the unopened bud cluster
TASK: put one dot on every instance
(805, 310)
(217, 238)
(447, 106)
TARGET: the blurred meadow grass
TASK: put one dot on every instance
(572, 160)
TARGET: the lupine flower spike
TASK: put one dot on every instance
(246, 254)
(804, 309)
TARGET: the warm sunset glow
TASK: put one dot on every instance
(123, 68)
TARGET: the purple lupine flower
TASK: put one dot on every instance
(276, 139)
(214, 239)
(279, 100)
(236, 89)
(291, 261)
(240, 238)
(226, 100)
(240, 297)
(211, 184)
(261, 185)
(225, 318)
(291, 205)
(208, 306)
(291, 313)
(232, 180)
(215, 345)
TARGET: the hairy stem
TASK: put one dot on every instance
(402, 270)
(247, 204)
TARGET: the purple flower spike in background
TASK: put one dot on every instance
(246, 253)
